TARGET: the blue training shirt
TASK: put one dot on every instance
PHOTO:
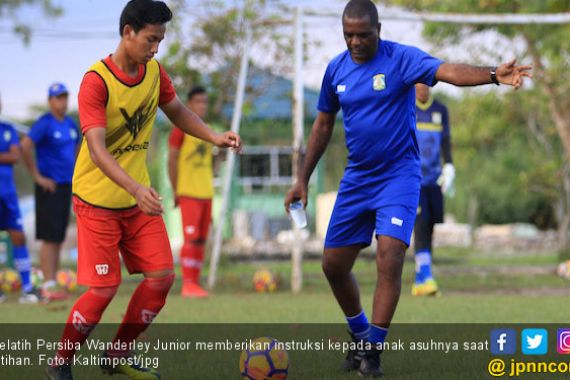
(377, 99)
(56, 142)
(8, 137)
(432, 128)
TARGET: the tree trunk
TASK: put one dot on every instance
(562, 212)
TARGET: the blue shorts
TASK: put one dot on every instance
(10, 217)
(387, 206)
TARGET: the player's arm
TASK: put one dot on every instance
(319, 139)
(28, 148)
(147, 198)
(468, 75)
(12, 156)
(191, 124)
(175, 141)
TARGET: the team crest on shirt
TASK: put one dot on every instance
(7, 136)
(378, 82)
(72, 134)
(436, 118)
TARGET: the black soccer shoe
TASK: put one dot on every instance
(62, 372)
(353, 357)
(370, 364)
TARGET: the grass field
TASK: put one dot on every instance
(477, 289)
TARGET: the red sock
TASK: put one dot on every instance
(83, 318)
(192, 257)
(146, 302)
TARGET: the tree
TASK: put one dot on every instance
(208, 41)
(548, 47)
(9, 9)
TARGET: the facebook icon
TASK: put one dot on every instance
(503, 341)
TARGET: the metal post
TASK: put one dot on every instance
(297, 249)
(236, 119)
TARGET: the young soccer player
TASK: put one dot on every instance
(434, 140)
(373, 83)
(55, 138)
(116, 208)
(10, 216)
(191, 176)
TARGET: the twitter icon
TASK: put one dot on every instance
(534, 341)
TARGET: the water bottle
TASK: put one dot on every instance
(298, 214)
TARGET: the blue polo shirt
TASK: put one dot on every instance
(8, 137)
(56, 142)
(377, 99)
(432, 128)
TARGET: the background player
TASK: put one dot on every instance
(373, 83)
(434, 140)
(190, 172)
(54, 137)
(116, 208)
(10, 216)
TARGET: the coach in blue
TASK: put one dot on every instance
(55, 138)
(434, 140)
(10, 216)
(372, 82)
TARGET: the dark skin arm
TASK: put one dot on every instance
(45, 183)
(466, 75)
(319, 139)
(10, 157)
(173, 154)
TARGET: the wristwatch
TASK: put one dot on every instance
(494, 75)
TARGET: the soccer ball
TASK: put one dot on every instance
(67, 279)
(264, 361)
(264, 281)
(10, 281)
(563, 269)
(37, 277)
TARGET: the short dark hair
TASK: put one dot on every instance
(138, 13)
(360, 9)
(196, 90)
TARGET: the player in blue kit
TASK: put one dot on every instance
(55, 137)
(10, 217)
(434, 140)
(372, 82)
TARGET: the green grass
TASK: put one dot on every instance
(477, 289)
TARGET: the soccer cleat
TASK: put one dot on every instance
(132, 371)
(31, 297)
(428, 288)
(54, 293)
(193, 290)
(370, 365)
(353, 357)
(62, 372)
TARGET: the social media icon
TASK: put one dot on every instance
(563, 341)
(534, 341)
(504, 341)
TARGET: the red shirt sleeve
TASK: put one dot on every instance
(167, 92)
(92, 101)
(176, 138)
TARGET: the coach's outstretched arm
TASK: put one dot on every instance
(191, 124)
(318, 141)
(468, 75)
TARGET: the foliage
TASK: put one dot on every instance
(207, 46)
(9, 10)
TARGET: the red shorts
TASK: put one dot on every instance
(196, 218)
(141, 239)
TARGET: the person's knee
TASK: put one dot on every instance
(334, 268)
(104, 291)
(161, 283)
(18, 238)
(390, 258)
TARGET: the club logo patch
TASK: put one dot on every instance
(7, 136)
(378, 82)
(436, 118)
